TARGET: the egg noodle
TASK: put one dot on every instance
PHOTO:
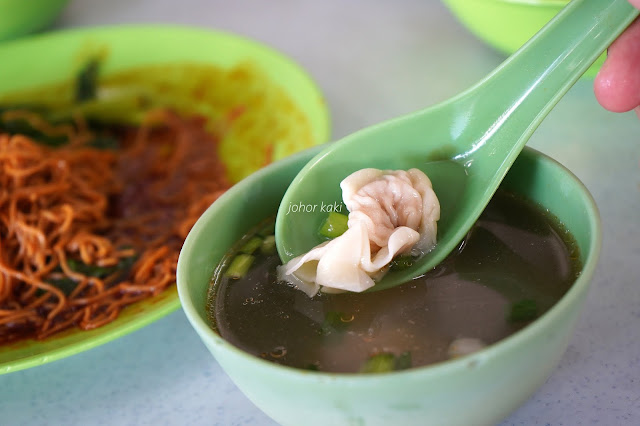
(86, 230)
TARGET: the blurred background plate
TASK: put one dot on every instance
(43, 61)
(508, 24)
(21, 17)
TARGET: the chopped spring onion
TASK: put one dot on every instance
(401, 262)
(89, 270)
(334, 225)
(18, 125)
(268, 245)
(239, 266)
(66, 285)
(385, 362)
(101, 271)
(380, 363)
(334, 323)
(252, 245)
(268, 229)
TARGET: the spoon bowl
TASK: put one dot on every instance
(465, 145)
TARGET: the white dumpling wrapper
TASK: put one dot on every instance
(391, 213)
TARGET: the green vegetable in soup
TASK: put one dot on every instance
(268, 245)
(401, 262)
(252, 245)
(268, 229)
(386, 362)
(335, 322)
(380, 363)
(523, 311)
(334, 225)
(239, 266)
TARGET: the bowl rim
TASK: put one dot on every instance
(446, 367)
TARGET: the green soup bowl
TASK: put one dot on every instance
(480, 388)
(508, 24)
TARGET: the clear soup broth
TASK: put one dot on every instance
(516, 262)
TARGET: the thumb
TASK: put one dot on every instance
(617, 85)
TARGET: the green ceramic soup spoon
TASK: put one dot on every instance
(465, 145)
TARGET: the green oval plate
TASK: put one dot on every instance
(40, 61)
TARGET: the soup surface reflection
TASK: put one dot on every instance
(513, 266)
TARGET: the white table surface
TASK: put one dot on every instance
(374, 60)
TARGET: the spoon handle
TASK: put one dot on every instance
(522, 90)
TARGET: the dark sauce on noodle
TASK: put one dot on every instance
(515, 256)
(99, 228)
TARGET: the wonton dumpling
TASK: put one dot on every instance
(391, 212)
